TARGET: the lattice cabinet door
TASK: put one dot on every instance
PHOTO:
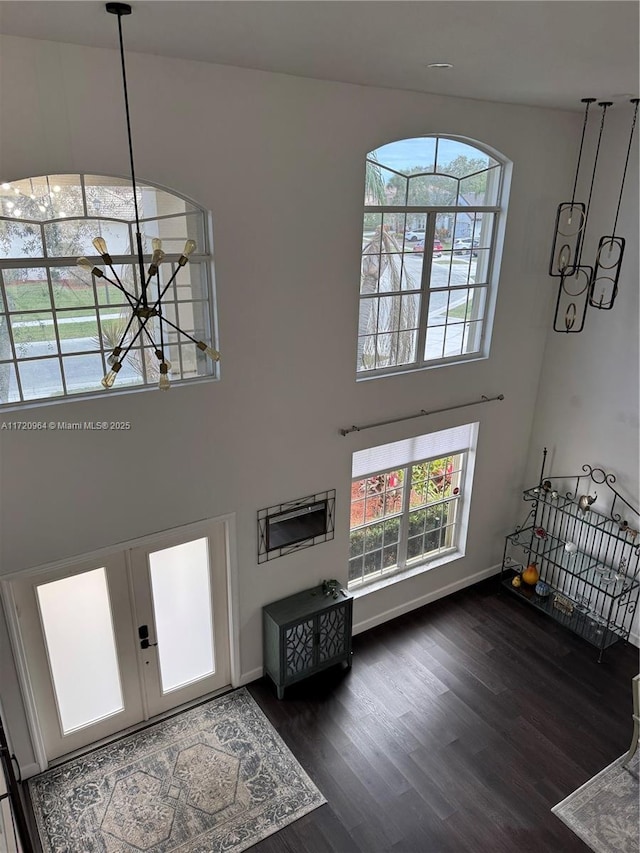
(332, 634)
(299, 648)
(305, 633)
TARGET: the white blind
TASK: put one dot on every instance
(386, 457)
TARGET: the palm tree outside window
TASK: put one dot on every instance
(428, 275)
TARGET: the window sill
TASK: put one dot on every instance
(404, 370)
(405, 574)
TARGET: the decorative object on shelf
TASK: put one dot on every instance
(288, 527)
(543, 589)
(585, 501)
(605, 574)
(555, 494)
(563, 604)
(531, 574)
(624, 526)
(597, 591)
(331, 588)
(546, 486)
(148, 304)
(516, 581)
(540, 533)
(582, 285)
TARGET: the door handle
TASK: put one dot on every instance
(143, 634)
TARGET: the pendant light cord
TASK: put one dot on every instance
(133, 171)
(604, 105)
(626, 163)
(588, 102)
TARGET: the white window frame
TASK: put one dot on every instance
(406, 567)
(201, 259)
(425, 290)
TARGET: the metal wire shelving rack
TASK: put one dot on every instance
(593, 585)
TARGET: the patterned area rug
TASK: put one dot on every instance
(215, 778)
(604, 812)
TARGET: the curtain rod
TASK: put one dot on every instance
(421, 414)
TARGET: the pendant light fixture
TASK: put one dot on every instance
(575, 277)
(148, 305)
(570, 220)
(604, 283)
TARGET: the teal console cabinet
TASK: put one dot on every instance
(306, 633)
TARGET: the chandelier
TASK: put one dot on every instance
(149, 303)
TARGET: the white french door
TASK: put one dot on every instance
(114, 641)
(180, 599)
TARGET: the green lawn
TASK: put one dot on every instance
(44, 332)
(34, 295)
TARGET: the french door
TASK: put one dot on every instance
(113, 641)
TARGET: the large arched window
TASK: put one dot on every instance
(58, 323)
(428, 262)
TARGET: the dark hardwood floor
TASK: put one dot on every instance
(460, 725)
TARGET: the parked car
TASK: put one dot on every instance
(437, 248)
(414, 236)
(463, 247)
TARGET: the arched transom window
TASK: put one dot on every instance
(428, 264)
(58, 323)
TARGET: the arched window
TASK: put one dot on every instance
(429, 269)
(58, 323)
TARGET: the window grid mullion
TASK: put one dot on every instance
(56, 332)
(14, 351)
(425, 288)
(403, 528)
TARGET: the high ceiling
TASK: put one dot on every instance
(538, 52)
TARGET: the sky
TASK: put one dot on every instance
(409, 153)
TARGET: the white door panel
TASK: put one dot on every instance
(80, 648)
(181, 602)
(109, 643)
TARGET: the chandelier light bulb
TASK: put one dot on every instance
(160, 356)
(56, 189)
(41, 208)
(113, 358)
(100, 246)
(189, 247)
(6, 186)
(163, 383)
(156, 260)
(87, 266)
(10, 205)
(110, 378)
(213, 354)
(156, 244)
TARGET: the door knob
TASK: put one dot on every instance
(143, 634)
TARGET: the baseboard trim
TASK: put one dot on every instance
(434, 595)
(248, 677)
(28, 770)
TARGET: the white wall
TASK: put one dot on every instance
(279, 161)
(587, 407)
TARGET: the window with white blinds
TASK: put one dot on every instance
(410, 503)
